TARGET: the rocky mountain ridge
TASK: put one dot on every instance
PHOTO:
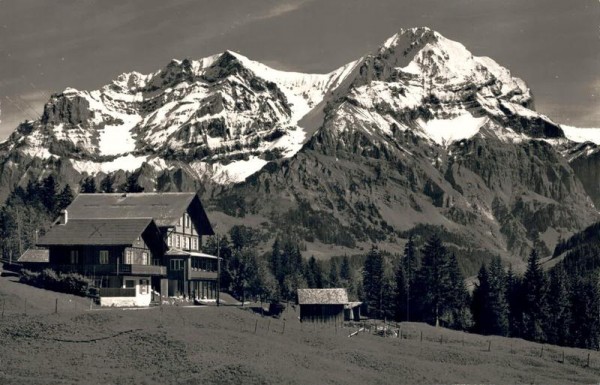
(419, 134)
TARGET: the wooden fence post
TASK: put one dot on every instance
(56, 306)
(489, 346)
(3, 305)
(542, 352)
(421, 335)
(25, 306)
(255, 326)
(269, 325)
(588, 365)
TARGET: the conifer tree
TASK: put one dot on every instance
(515, 304)
(132, 185)
(88, 185)
(559, 312)
(334, 279)
(490, 308)
(534, 291)
(585, 306)
(401, 292)
(433, 281)
(459, 316)
(410, 265)
(64, 199)
(373, 280)
(107, 185)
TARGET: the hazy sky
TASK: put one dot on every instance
(45, 46)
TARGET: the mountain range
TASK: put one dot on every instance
(418, 136)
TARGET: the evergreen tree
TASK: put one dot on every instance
(410, 264)
(49, 190)
(534, 291)
(489, 306)
(314, 274)
(373, 281)
(347, 278)
(559, 312)
(107, 185)
(275, 262)
(132, 185)
(345, 270)
(433, 281)
(458, 315)
(88, 185)
(585, 305)
(401, 291)
(64, 199)
(479, 308)
(334, 279)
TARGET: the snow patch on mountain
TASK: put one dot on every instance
(581, 135)
(446, 131)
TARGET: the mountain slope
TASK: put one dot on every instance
(420, 135)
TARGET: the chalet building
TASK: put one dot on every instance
(136, 246)
(326, 305)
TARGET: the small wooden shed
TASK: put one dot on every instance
(322, 305)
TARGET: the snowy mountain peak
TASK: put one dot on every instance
(225, 116)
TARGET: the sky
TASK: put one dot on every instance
(46, 46)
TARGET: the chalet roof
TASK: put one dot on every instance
(97, 232)
(322, 297)
(164, 208)
(35, 256)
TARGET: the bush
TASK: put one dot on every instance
(71, 283)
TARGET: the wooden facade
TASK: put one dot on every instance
(322, 313)
(164, 254)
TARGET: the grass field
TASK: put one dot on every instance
(233, 345)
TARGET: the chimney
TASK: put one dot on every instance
(64, 217)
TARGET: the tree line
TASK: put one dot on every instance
(28, 212)
(561, 306)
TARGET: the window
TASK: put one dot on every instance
(170, 240)
(176, 264)
(103, 257)
(143, 286)
(194, 243)
(74, 257)
(177, 241)
(128, 257)
(129, 284)
(186, 243)
(144, 258)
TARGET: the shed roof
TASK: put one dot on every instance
(322, 296)
(164, 208)
(35, 256)
(97, 232)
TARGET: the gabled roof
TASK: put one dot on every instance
(322, 297)
(164, 208)
(35, 256)
(98, 232)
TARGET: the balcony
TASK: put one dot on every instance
(201, 274)
(112, 269)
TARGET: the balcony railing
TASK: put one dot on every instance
(201, 274)
(112, 269)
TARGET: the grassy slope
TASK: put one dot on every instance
(192, 345)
